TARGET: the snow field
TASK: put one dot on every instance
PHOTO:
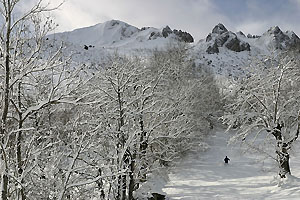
(248, 176)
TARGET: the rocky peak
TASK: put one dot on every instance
(292, 36)
(282, 40)
(278, 34)
(114, 22)
(181, 35)
(275, 30)
(221, 37)
(252, 36)
(166, 31)
(219, 29)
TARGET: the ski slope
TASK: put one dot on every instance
(248, 176)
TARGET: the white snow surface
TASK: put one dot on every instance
(114, 34)
(247, 176)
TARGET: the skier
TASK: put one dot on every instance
(226, 160)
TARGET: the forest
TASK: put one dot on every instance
(74, 130)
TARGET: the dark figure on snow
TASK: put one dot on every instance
(226, 160)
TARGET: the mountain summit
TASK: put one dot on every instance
(221, 37)
(118, 34)
(219, 29)
(277, 39)
(102, 34)
(224, 51)
(115, 33)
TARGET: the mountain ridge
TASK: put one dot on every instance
(225, 52)
(115, 33)
(112, 32)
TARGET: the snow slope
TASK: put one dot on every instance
(115, 34)
(248, 176)
(91, 45)
(102, 34)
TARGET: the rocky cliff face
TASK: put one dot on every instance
(221, 37)
(219, 29)
(277, 39)
(273, 39)
(181, 35)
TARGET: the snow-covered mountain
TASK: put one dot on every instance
(105, 34)
(273, 39)
(228, 53)
(118, 34)
(95, 43)
(224, 51)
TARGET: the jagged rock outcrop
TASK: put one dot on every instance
(236, 45)
(279, 36)
(281, 40)
(184, 36)
(208, 38)
(145, 28)
(181, 35)
(125, 30)
(213, 49)
(155, 35)
(220, 40)
(221, 37)
(294, 39)
(166, 31)
(252, 36)
(219, 29)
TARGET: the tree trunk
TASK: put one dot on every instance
(143, 148)
(19, 163)
(131, 179)
(4, 185)
(285, 166)
(124, 184)
(283, 159)
(126, 163)
(18, 143)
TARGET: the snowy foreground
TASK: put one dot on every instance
(248, 176)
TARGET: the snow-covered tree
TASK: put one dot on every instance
(117, 105)
(147, 112)
(266, 102)
(33, 77)
(191, 93)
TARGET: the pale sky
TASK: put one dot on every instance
(197, 17)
